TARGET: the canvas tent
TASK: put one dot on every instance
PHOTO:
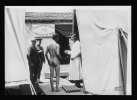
(103, 37)
(16, 67)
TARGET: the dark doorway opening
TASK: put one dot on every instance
(64, 45)
(64, 30)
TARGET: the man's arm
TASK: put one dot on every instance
(77, 51)
(28, 55)
(38, 49)
(46, 55)
(43, 55)
(58, 51)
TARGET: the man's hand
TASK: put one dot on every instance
(49, 62)
(39, 51)
(31, 64)
(67, 51)
(72, 58)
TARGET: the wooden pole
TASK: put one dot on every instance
(73, 22)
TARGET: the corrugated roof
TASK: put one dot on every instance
(48, 16)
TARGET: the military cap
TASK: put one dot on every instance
(33, 40)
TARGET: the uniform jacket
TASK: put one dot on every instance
(40, 54)
(32, 54)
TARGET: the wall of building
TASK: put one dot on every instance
(31, 32)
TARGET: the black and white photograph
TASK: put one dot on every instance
(67, 50)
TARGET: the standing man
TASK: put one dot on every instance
(75, 72)
(33, 61)
(41, 58)
(53, 61)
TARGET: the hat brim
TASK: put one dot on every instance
(38, 39)
(33, 40)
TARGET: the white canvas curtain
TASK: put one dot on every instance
(16, 67)
(99, 47)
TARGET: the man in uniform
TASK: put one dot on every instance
(53, 61)
(41, 58)
(33, 61)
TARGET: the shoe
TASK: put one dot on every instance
(40, 93)
(79, 86)
(57, 90)
(52, 90)
(35, 82)
(40, 82)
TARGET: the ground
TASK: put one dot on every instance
(45, 86)
(13, 87)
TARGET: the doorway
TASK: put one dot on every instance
(64, 30)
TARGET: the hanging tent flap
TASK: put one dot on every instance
(122, 43)
(16, 67)
(99, 47)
